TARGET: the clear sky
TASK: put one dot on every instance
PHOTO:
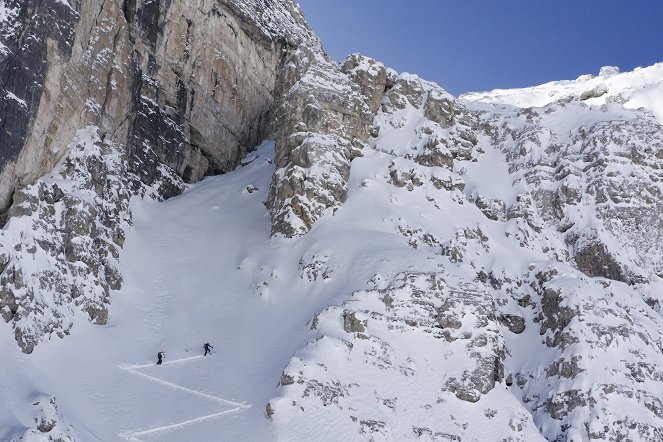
(474, 45)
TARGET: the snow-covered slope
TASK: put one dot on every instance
(640, 88)
(398, 264)
(449, 297)
(201, 267)
(522, 221)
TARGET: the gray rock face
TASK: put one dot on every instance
(193, 81)
(322, 123)
(596, 92)
(493, 208)
(204, 82)
(628, 206)
(30, 32)
(484, 346)
(515, 324)
(353, 323)
(370, 75)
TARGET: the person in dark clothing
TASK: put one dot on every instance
(207, 347)
(160, 357)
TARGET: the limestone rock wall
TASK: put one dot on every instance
(193, 81)
(322, 122)
(34, 37)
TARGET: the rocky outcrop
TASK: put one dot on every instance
(573, 175)
(581, 321)
(354, 364)
(47, 424)
(372, 77)
(322, 123)
(445, 131)
(61, 245)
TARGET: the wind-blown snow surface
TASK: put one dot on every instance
(192, 267)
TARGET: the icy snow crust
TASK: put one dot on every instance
(440, 301)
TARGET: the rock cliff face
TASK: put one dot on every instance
(193, 81)
(322, 123)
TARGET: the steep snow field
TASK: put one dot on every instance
(197, 268)
(201, 267)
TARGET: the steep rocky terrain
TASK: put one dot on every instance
(434, 268)
(576, 189)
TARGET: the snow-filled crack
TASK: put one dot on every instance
(135, 435)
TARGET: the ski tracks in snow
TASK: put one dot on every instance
(136, 435)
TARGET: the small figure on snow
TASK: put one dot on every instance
(160, 357)
(207, 347)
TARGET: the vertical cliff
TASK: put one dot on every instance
(194, 81)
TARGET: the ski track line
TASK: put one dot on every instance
(176, 361)
(133, 369)
(133, 436)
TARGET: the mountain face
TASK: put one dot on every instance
(486, 267)
(103, 101)
(544, 225)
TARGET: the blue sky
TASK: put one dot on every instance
(473, 45)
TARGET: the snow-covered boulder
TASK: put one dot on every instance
(48, 424)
